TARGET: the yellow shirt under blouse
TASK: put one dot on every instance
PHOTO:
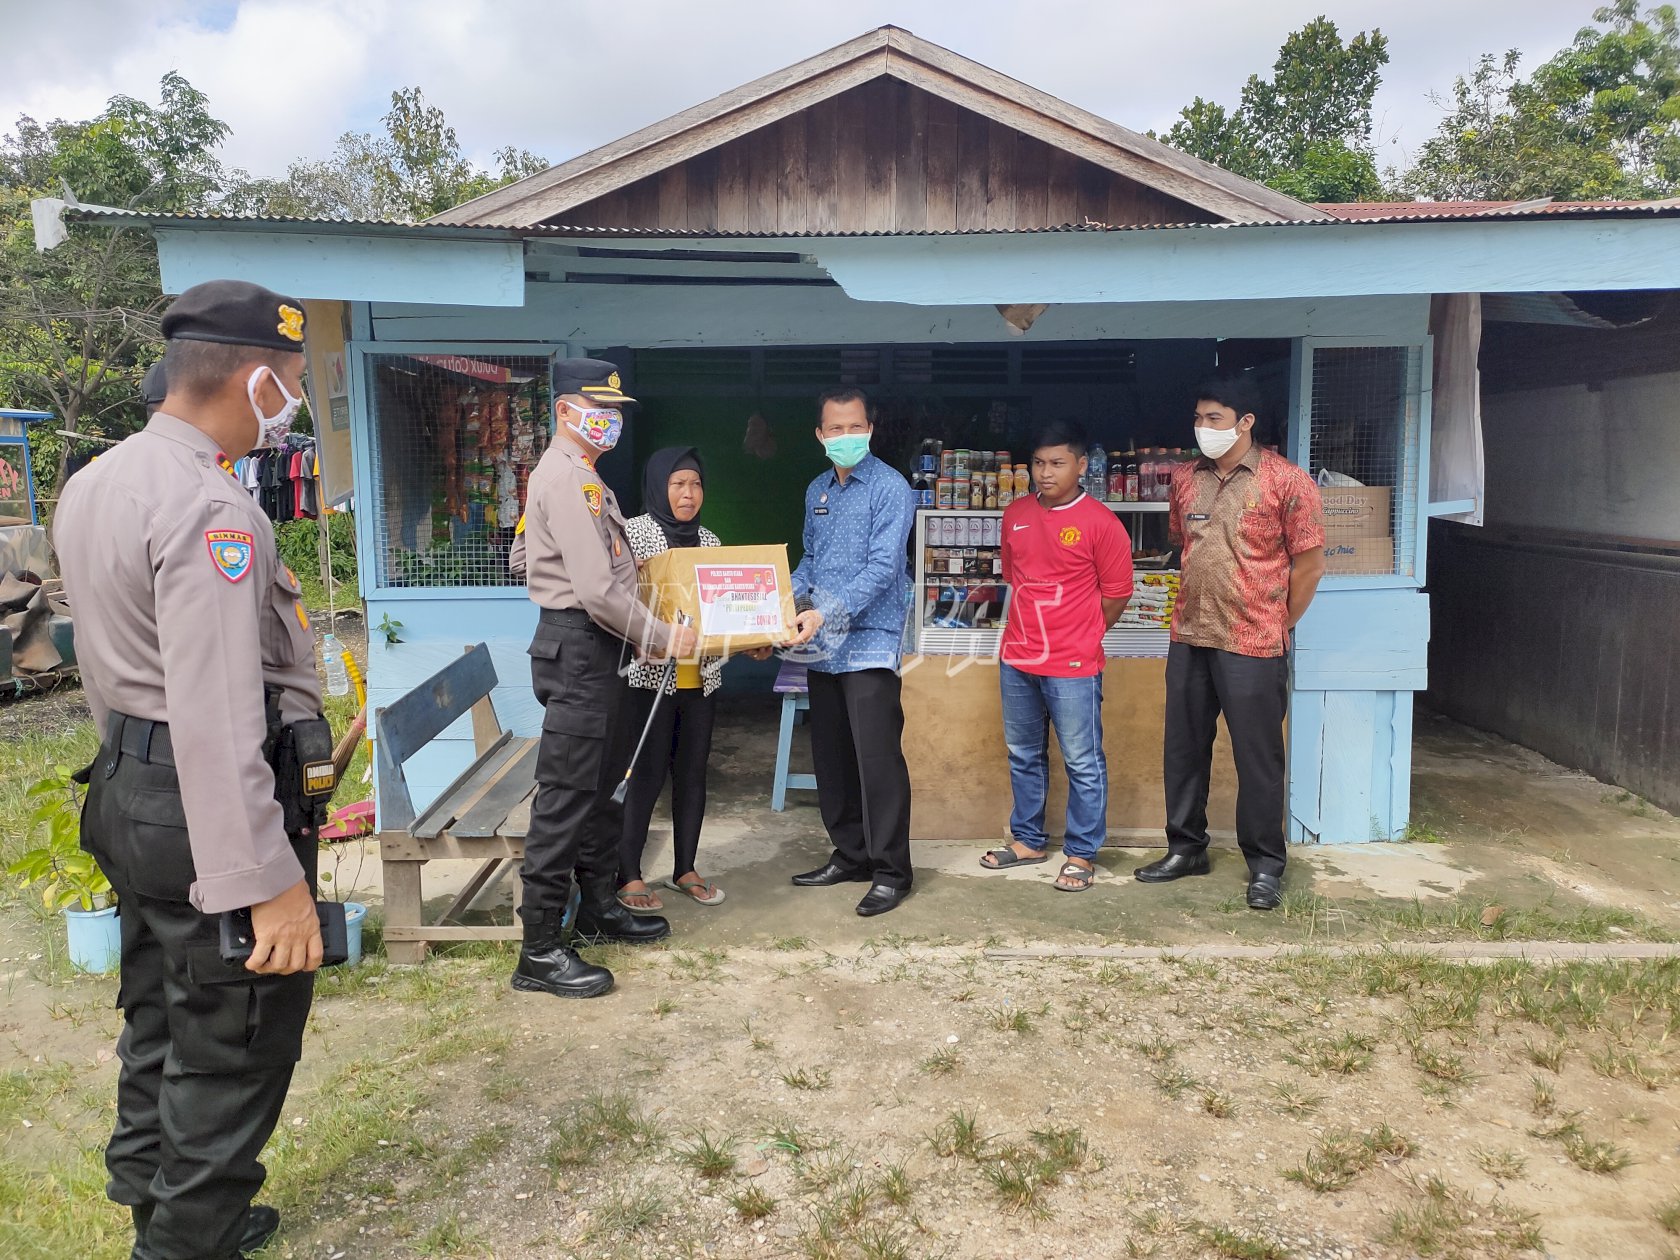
(688, 675)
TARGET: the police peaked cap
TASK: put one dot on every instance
(596, 379)
(236, 313)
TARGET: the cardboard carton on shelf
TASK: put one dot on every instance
(1358, 553)
(739, 598)
(1365, 510)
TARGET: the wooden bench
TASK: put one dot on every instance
(482, 816)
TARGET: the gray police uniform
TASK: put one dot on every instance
(581, 572)
(195, 651)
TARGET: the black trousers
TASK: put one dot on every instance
(679, 744)
(863, 785)
(586, 743)
(207, 1048)
(1253, 694)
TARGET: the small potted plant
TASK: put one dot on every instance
(68, 877)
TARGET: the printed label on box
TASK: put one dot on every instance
(738, 599)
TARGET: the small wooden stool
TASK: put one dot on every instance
(791, 686)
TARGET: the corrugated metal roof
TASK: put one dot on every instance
(1345, 215)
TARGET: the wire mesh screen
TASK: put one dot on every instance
(455, 439)
(1363, 447)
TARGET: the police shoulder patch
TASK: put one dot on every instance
(592, 496)
(230, 551)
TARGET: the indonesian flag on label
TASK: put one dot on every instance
(230, 551)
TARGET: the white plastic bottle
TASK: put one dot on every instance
(332, 653)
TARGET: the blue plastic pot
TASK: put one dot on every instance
(95, 939)
(354, 913)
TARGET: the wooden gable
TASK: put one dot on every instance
(881, 157)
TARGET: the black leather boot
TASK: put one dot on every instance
(548, 965)
(600, 918)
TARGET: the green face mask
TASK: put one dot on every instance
(848, 450)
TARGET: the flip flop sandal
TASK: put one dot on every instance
(1081, 876)
(1004, 858)
(703, 891)
(652, 904)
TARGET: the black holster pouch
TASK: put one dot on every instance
(301, 756)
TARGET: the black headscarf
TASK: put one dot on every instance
(662, 465)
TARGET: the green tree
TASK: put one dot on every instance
(1600, 119)
(1307, 130)
(78, 324)
(415, 169)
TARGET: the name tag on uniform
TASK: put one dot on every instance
(819, 511)
(1197, 516)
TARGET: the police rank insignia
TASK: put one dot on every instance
(291, 323)
(592, 496)
(614, 382)
(230, 551)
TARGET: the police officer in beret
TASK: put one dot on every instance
(582, 574)
(198, 663)
(154, 388)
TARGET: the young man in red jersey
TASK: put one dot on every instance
(1068, 563)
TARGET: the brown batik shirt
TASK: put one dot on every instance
(1237, 534)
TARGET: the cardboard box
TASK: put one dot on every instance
(739, 597)
(1367, 510)
(1358, 553)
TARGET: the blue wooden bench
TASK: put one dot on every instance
(791, 686)
(482, 816)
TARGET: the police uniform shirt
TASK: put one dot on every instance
(577, 552)
(183, 612)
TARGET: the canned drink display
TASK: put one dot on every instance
(976, 530)
(947, 463)
(959, 466)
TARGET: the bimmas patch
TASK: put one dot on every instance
(230, 551)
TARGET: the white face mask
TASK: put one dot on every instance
(1215, 442)
(272, 430)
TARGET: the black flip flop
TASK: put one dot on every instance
(1004, 858)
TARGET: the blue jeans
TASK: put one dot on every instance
(1031, 705)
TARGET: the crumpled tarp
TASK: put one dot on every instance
(31, 606)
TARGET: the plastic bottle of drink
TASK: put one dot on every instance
(1096, 472)
(1116, 477)
(332, 654)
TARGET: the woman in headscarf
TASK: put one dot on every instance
(680, 741)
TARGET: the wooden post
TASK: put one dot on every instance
(402, 909)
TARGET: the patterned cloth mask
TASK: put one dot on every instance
(598, 426)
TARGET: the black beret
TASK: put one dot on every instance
(236, 313)
(596, 379)
(154, 388)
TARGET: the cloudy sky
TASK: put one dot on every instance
(558, 78)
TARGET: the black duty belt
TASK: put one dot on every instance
(144, 740)
(566, 617)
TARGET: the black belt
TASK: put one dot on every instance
(566, 617)
(143, 739)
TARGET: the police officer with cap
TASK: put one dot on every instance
(154, 388)
(198, 664)
(582, 574)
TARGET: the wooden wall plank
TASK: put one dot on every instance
(733, 163)
(793, 192)
(764, 169)
(702, 192)
(1090, 193)
(673, 197)
(1063, 204)
(910, 152)
(973, 162)
(1000, 176)
(941, 165)
(880, 121)
(1032, 183)
(851, 141)
(822, 171)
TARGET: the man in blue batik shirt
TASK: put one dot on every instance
(853, 592)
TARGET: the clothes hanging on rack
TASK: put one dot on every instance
(284, 481)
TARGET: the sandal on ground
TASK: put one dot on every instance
(702, 890)
(1004, 858)
(644, 902)
(1081, 875)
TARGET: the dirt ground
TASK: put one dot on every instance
(784, 1079)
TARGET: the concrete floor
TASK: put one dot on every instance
(1497, 825)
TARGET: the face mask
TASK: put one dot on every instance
(1215, 442)
(271, 430)
(598, 426)
(847, 450)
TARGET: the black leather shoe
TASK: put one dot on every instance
(1173, 866)
(832, 873)
(880, 898)
(596, 925)
(261, 1224)
(556, 969)
(1264, 892)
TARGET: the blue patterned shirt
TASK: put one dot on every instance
(854, 569)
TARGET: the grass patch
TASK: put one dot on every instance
(1340, 1157)
(752, 1204)
(958, 1134)
(1338, 1056)
(1219, 1105)
(628, 1212)
(941, 1062)
(1500, 1165)
(1008, 1018)
(1668, 1215)
(1295, 1101)
(1595, 1155)
(1234, 1244)
(813, 1078)
(601, 1124)
(1448, 1223)
(1020, 1174)
(711, 1158)
(788, 1137)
